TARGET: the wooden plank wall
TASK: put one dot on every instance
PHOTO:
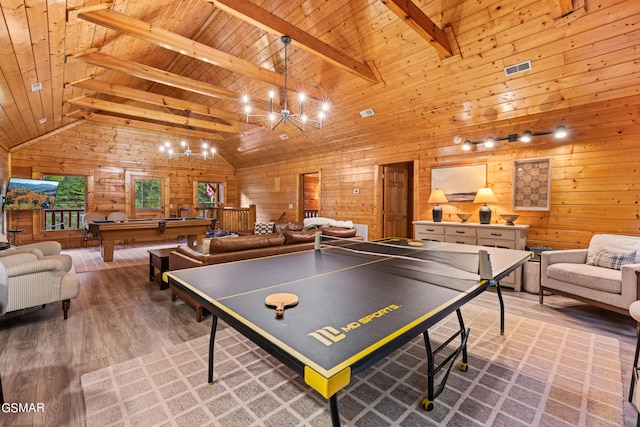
(595, 175)
(595, 171)
(109, 156)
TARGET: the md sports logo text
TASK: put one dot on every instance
(329, 334)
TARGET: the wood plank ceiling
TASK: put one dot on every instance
(427, 68)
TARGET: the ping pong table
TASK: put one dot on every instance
(358, 302)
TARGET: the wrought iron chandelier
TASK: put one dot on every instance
(274, 118)
(206, 153)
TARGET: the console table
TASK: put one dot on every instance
(496, 235)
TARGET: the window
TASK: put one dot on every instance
(147, 198)
(148, 194)
(210, 194)
(70, 203)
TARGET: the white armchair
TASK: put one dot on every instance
(43, 250)
(28, 281)
(603, 275)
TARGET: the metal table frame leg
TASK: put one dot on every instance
(432, 369)
(212, 340)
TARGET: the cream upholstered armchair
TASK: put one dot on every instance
(42, 250)
(29, 281)
(603, 275)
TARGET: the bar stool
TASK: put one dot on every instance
(634, 311)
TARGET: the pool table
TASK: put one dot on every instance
(108, 232)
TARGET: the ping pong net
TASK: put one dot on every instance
(446, 265)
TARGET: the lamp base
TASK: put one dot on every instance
(437, 213)
(485, 214)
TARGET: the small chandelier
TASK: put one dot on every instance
(299, 120)
(206, 153)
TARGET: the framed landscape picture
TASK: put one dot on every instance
(459, 183)
(532, 184)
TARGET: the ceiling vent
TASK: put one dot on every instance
(517, 68)
(36, 87)
(284, 137)
(366, 113)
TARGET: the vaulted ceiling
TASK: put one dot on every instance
(425, 68)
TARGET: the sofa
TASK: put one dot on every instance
(283, 237)
(275, 238)
(605, 274)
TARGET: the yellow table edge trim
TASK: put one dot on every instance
(327, 387)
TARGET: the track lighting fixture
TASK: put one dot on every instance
(559, 132)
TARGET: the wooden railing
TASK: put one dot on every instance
(229, 218)
(63, 219)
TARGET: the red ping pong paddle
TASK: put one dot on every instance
(280, 301)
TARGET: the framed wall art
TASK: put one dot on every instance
(532, 184)
(459, 183)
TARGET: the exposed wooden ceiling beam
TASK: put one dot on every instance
(138, 124)
(155, 99)
(566, 6)
(416, 19)
(136, 111)
(561, 8)
(265, 20)
(185, 46)
(156, 75)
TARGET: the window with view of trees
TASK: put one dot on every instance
(70, 203)
(148, 194)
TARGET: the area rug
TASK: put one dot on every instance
(89, 259)
(537, 374)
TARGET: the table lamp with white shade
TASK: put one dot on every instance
(483, 196)
(437, 196)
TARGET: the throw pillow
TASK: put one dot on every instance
(613, 260)
(263, 228)
(206, 244)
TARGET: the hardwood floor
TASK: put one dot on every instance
(121, 315)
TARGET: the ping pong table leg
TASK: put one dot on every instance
(464, 335)
(433, 370)
(501, 308)
(212, 340)
(333, 405)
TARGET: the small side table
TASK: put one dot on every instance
(159, 258)
(16, 238)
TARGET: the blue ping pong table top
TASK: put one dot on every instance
(352, 307)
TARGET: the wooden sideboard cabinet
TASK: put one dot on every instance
(496, 235)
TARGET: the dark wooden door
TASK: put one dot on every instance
(397, 199)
